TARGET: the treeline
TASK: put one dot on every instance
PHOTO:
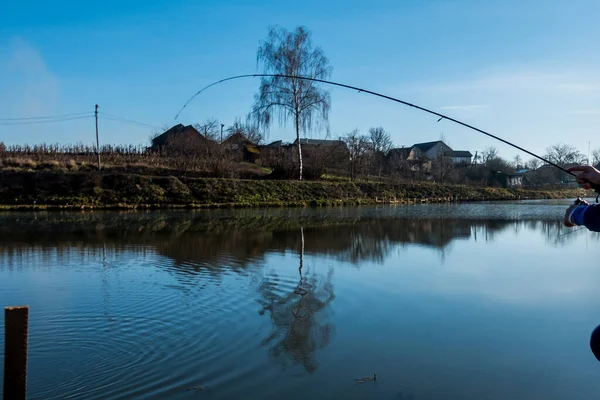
(353, 156)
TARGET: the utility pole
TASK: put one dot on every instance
(222, 125)
(97, 140)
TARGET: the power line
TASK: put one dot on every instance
(46, 117)
(121, 119)
(45, 121)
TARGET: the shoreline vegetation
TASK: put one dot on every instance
(20, 190)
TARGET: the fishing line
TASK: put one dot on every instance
(571, 231)
(359, 90)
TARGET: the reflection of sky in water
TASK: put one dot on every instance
(518, 266)
(438, 307)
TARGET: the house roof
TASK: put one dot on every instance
(461, 153)
(277, 143)
(236, 138)
(402, 152)
(320, 142)
(174, 130)
(424, 147)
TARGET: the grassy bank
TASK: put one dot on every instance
(114, 190)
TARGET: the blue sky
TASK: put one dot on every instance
(526, 71)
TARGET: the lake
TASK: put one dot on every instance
(446, 301)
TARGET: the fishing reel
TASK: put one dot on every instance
(596, 188)
(581, 202)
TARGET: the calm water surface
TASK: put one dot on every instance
(479, 301)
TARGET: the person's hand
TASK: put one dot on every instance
(577, 203)
(587, 175)
(568, 223)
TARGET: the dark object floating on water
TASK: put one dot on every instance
(366, 379)
(196, 389)
(595, 342)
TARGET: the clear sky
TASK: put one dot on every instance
(527, 71)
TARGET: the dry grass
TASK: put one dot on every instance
(132, 159)
(151, 165)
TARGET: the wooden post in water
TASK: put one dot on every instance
(16, 322)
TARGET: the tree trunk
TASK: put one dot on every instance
(299, 145)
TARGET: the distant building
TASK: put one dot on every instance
(461, 156)
(277, 143)
(240, 144)
(430, 151)
(324, 154)
(406, 154)
(321, 143)
(181, 139)
(514, 180)
(505, 179)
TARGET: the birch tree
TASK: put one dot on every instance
(304, 102)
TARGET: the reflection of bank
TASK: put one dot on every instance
(299, 317)
(200, 249)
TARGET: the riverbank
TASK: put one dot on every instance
(64, 190)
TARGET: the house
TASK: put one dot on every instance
(236, 141)
(550, 175)
(505, 179)
(320, 143)
(277, 143)
(181, 139)
(406, 159)
(514, 180)
(322, 153)
(240, 144)
(432, 150)
(406, 154)
(461, 157)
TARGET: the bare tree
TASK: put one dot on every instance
(596, 157)
(380, 140)
(442, 167)
(489, 153)
(292, 54)
(534, 163)
(563, 154)
(209, 128)
(247, 129)
(518, 162)
(380, 144)
(357, 146)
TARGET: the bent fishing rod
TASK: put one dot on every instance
(361, 90)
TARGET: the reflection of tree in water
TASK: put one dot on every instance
(200, 245)
(297, 317)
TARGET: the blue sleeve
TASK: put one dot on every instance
(591, 218)
(578, 214)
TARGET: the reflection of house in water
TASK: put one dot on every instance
(199, 243)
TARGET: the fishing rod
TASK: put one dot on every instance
(596, 187)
